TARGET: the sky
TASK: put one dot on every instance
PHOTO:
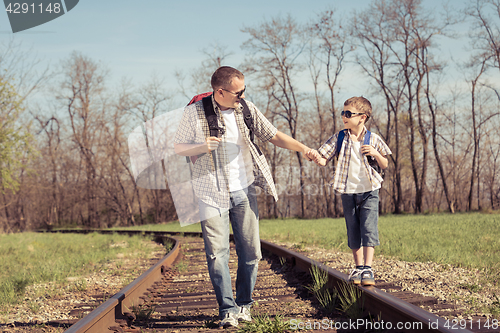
(136, 39)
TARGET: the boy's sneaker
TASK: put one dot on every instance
(229, 320)
(244, 314)
(355, 276)
(367, 278)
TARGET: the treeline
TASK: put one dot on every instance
(66, 162)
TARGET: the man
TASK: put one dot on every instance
(224, 181)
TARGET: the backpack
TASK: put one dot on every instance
(371, 160)
(213, 125)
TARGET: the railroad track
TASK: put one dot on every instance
(175, 295)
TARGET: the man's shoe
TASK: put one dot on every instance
(355, 276)
(367, 278)
(244, 314)
(229, 320)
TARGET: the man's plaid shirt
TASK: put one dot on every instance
(194, 129)
(339, 182)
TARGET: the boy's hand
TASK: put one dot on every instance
(369, 150)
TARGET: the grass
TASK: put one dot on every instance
(349, 298)
(31, 258)
(470, 240)
(143, 313)
(264, 323)
(463, 240)
(326, 297)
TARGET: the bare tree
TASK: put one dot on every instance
(485, 40)
(329, 46)
(52, 130)
(18, 81)
(485, 32)
(277, 45)
(198, 80)
(375, 31)
(433, 108)
(397, 37)
(151, 102)
(82, 95)
(491, 180)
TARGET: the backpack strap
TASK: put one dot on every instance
(367, 137)
(213, 124)
(371, 160)
(211, 117)
(247, 116)
(366, 141)
(340, 142)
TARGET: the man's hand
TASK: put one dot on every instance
(212, 143)
(305, 153)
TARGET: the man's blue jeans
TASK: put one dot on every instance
(244, 218)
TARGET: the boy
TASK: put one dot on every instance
(358, 183)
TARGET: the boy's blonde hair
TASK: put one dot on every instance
(361, 104)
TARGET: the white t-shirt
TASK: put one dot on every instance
(357, 177)
(238, 154)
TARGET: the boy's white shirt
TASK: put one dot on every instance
(341, 173)
(357, 178)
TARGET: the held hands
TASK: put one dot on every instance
(313, 155)
(212, 143)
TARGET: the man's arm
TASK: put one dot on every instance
(282, 140)
(192, 149)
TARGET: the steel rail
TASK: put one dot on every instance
(376, 301)
(119, 305)
(380, 304)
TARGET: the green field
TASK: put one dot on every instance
(469, 240)
(29, 258)
(465, 240)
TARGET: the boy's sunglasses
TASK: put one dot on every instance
(348, 114)
(237, 94)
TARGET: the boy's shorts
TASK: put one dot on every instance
(361, 218)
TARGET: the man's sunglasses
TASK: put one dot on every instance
(348, 114)
(237, 94)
